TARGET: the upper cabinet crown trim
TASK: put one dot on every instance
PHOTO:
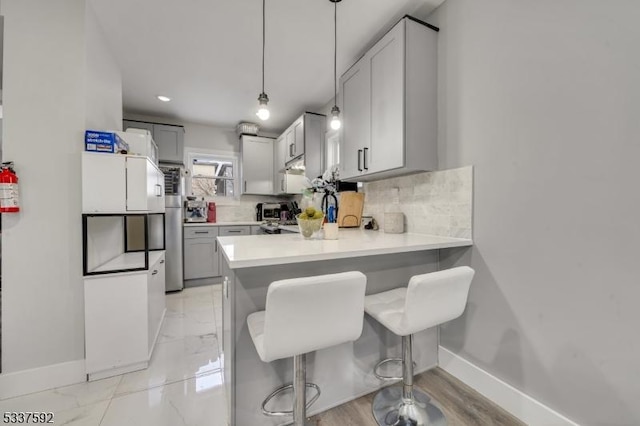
(419, 21)
(153, 122)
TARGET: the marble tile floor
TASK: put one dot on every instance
(181, 387)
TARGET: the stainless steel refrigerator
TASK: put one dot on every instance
(174, 184)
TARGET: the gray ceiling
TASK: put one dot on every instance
(206, 54)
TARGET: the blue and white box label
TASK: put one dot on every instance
(109, 142)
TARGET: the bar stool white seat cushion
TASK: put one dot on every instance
(306, 314)
(255, 322)
(430, 299)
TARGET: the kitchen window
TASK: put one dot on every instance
(212, 175)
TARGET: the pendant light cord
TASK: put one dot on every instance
(263, 43)
(335, 53)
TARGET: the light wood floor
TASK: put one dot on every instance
(462, 405)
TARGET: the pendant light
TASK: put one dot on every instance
(335, 111)
(263, 111)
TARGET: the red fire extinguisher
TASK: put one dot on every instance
(9, 194)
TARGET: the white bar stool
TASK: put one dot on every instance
(429, 300)
(303, 315)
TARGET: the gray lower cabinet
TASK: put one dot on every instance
(234, 230)
(228, 333)
(201, 257)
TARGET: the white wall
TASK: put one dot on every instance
(46, 87)
(543, 98)
(103, 79)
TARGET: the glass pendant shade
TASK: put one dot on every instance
(263, 110)
(335, 119)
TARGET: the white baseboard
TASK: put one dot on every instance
(521, 405)
(117, 371)
(42, 378)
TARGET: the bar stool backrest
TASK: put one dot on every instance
(436, 298)
(311, 313)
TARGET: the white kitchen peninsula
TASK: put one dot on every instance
(343, 372)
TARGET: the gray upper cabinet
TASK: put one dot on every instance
(356, 119)
(304, 140)
(170, 141)
(256, 170)
(137, 125)
(315, 127)
(294, 137)
(298, 138)
(169, 138)
(290, 138)
(389, 106)
(279, 161)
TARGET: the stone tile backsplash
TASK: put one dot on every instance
(436, 203)
(243, 209)
(241, 212)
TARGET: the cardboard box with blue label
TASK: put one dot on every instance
(96, 141)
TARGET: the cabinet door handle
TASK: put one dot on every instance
(162, 261)
(364, 156)
(282, 185)
(154, 272)
(158, 190)
(245, 186)
(201, 232)
(216, 246)
(359, 159)
(290, 150)
(234, 231)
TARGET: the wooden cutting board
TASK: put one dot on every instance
(350, 209)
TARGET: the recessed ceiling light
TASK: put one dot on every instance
(163, 98)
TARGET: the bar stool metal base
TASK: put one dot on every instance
(376, 369)
(282, 389)
(389, 409)
(299, 386)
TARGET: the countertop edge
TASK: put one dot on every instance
(239, 264)
(244, 223)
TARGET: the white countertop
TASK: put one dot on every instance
(264, 250)
(290, 228)
(246, 223)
